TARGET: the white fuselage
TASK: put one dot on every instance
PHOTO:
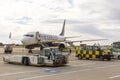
(36, 37)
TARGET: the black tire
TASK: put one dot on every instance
(30, 51)
(119, 57)
(25, 61)
(5, 51)
(87, 58)
(10, 51)
(108, 58)
(79, 57)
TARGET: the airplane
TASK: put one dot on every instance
(37, 39)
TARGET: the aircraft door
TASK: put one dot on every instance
(38, 36)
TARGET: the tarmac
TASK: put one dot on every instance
(74, 70)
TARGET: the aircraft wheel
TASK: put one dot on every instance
(108, 58)
(30, 51)
(10, 52)
(5, 51)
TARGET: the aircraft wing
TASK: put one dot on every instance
(85, 40)
(71, 42)
(68, 41)
(45, 41)
(72, 37)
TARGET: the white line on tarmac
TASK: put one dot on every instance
(83, 64)
(1, 61)
(8, 74)
(15, 73)
(114, 77)
(69, 72)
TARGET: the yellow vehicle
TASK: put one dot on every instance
(93, 52)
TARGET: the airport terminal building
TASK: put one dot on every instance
(116, 44)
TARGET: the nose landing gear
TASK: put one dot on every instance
(30, 51)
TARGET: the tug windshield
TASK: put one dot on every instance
(56, 52)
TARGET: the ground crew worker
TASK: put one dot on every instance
(69, 51)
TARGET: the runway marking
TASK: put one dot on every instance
(1, 61)
(1, 75)
(114, 77)
(8, 74)
(83, 64)
(69, 72)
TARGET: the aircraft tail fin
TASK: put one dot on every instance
(10, 35)
(63, 29)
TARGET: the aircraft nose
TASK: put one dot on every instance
(23, 40)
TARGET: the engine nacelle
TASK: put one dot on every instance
(62, 46)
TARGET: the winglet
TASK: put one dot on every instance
(63, 29)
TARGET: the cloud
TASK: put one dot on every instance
(24, 20)
(114, 11)
(95, 17)
(27, 1)
(91, 30)
(71, 2)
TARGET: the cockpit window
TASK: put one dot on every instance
(29, 35)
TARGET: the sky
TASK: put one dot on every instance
(90, 19)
